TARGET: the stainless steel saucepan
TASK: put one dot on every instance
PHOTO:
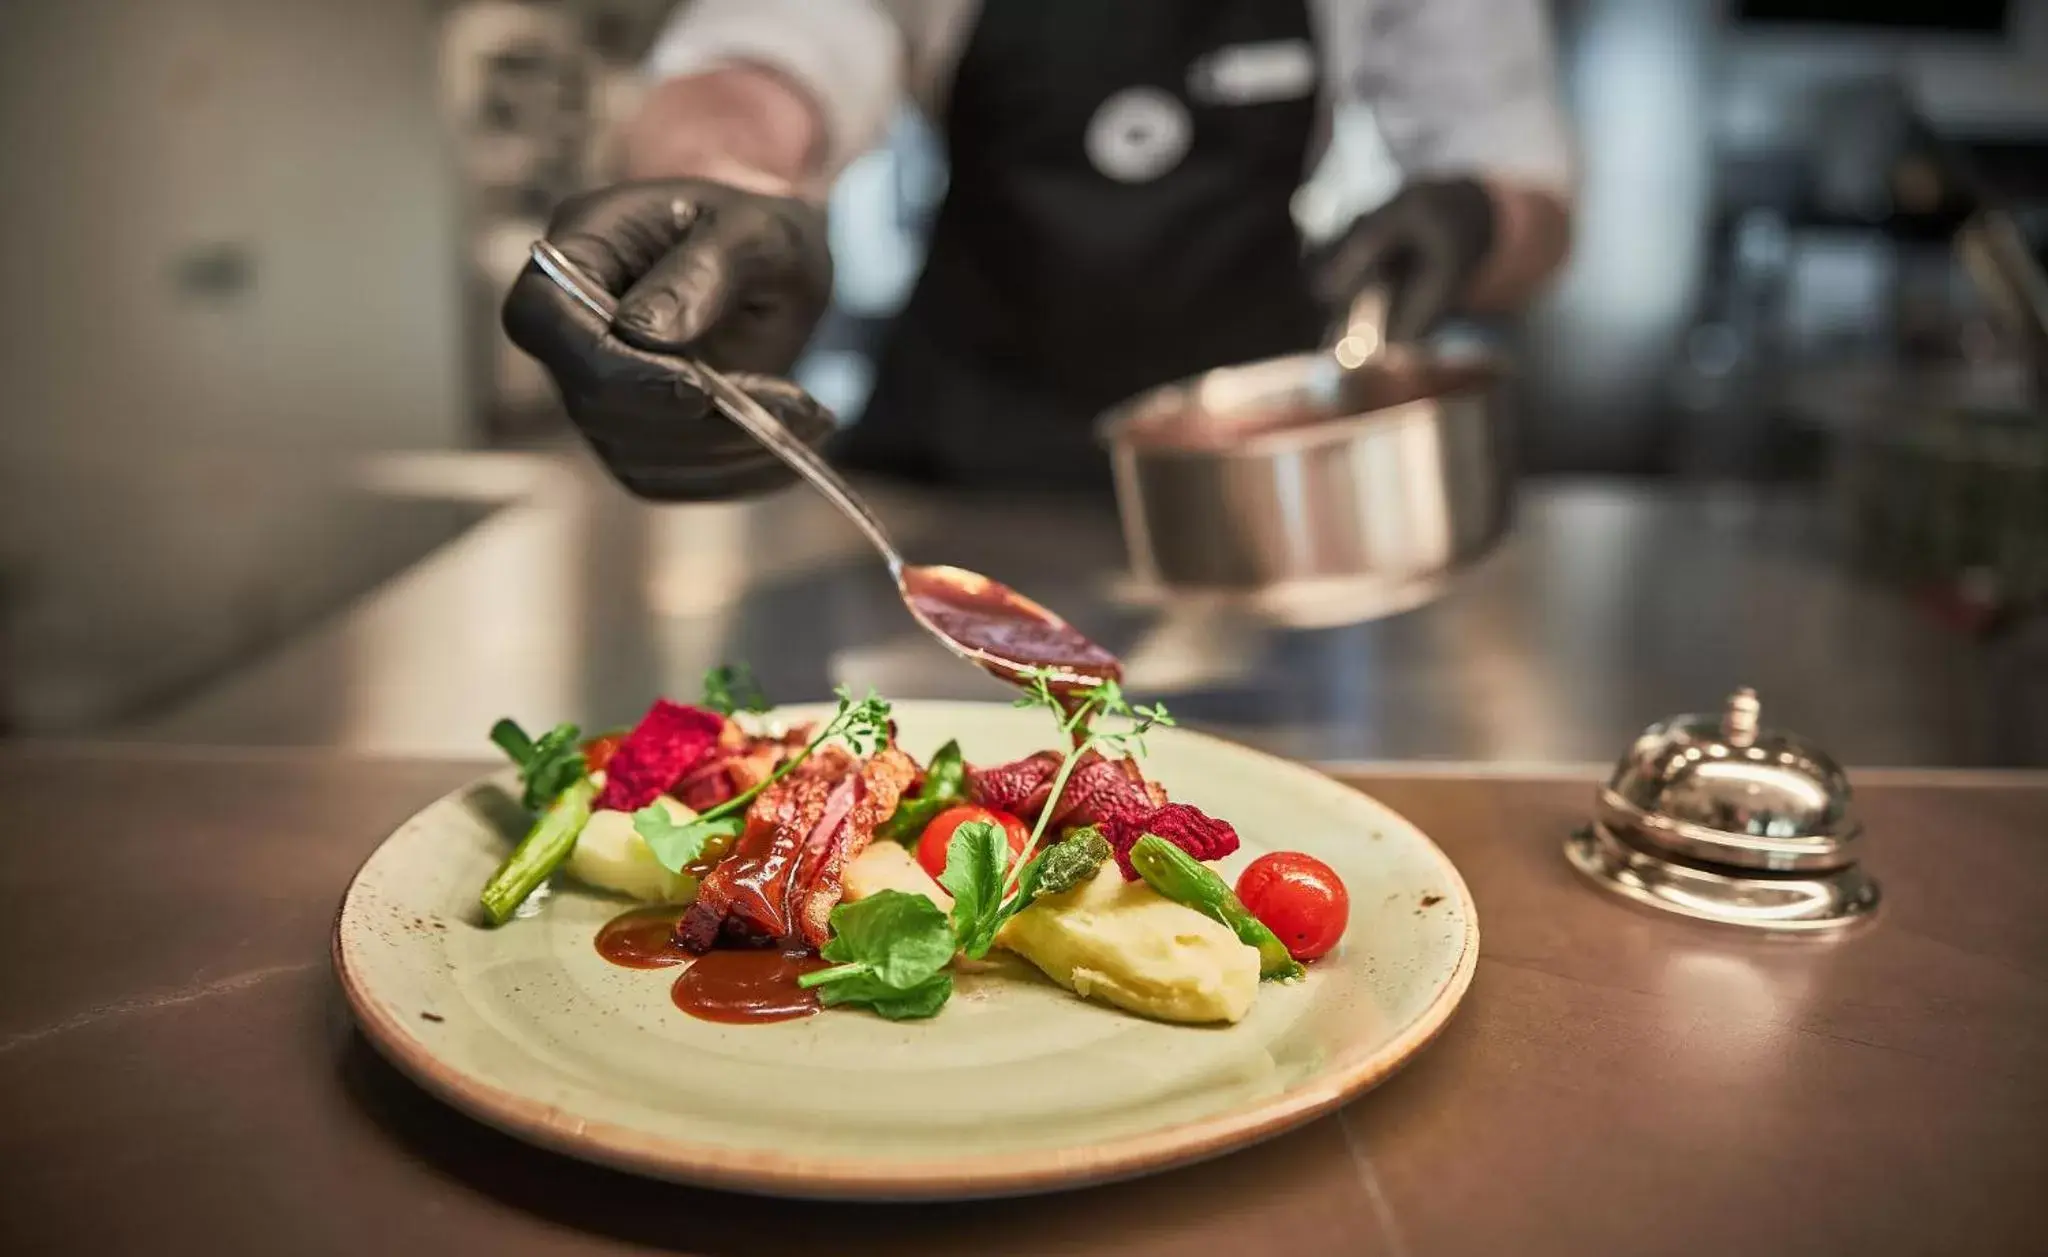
(1319, 489)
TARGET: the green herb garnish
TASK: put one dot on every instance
(976, 858)
(731, 687)
(547, 766)
(863, 725)
(679, 844)
(988, 888)
(889, 954)
(1078, 713)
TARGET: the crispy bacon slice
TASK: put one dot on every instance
(738, 764)
(1098, 790)
(782, 879)
(837, 840)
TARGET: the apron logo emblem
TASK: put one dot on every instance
(1138, 134)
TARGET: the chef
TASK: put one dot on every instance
(1117, 214)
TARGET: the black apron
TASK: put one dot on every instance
(1082, 255)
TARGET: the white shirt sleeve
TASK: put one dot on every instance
(1457, 87)
(848, 54)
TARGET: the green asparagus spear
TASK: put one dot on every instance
(1182, 878)
(544, 849)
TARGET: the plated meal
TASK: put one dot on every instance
(793, 867)
(909, 950)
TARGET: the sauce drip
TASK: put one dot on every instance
(747, 986)
(1007, 631)
(644, 938)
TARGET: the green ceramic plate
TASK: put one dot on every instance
(1017, 1086)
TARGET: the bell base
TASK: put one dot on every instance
(1786, 903)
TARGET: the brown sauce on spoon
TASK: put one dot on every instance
(1006, 631)
(747, 986)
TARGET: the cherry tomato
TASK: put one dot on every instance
(1298, 897)
(598, 751)
(931, 844)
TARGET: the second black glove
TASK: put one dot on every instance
(1425, 246)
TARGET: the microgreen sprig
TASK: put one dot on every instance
(731, 687)
(1079, 714)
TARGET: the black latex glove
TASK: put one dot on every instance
(1425, 245)
(700, 270)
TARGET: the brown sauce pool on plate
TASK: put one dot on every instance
(747, 986)
(731, 986)
(644, 938)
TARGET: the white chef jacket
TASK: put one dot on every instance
(1457, 87)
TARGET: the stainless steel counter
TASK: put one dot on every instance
(1616, 1081)
(1610, 606)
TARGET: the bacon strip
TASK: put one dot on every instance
(782, 879)
(842, 836)
(739, 763)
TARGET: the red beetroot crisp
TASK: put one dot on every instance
(1189, 828)
(668, 742)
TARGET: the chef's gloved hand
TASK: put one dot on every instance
(700, 270)
(1425, 245)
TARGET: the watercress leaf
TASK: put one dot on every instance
(1027, 885)
(976, 860)
(553, 764)
(863, 990)
(549, 780)
(554, 744)
(901, 937)
(838, 950)
(923, 1000)
(677, 845)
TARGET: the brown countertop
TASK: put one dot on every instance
(177, 1073)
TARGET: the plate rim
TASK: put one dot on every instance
(772, 1172)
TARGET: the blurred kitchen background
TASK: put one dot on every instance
(272, 475)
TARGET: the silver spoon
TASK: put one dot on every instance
(981, 620)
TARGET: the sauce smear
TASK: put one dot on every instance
(747, 986)
(644, 938)
(1005, 630)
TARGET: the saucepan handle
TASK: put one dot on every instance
(1364, 331)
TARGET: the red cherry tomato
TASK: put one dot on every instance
(598, 751)
(931, 844)
(1298, 897)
